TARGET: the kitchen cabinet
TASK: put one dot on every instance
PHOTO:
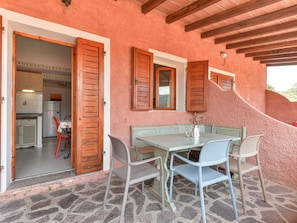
(25, 133)
(29, 81)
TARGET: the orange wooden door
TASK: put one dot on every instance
(88, 107)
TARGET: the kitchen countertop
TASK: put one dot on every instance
(27, 115)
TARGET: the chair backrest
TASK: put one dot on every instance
(250, 146)
(57, 123)
(120, 150)
(67, 117)
(215, 152)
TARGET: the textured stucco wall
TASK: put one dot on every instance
(278, 147)
(125, 25)
(280, 108)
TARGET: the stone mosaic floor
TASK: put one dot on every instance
(82, 203)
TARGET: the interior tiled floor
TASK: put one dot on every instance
(31, 162)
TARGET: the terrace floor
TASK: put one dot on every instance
(83, 203)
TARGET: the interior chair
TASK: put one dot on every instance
(248, 148)
(132, 172)
(201, 172)
(60, 136)
(67, 117)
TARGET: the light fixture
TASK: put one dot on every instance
(223, 55)
(28, 90)
(66, 2)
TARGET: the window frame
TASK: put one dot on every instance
(180, 65)
(172, 85)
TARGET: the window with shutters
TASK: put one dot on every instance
(224, 81)
(159, 82)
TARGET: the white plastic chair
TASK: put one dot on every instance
(248, 148)
(132, 172)
(201, 173)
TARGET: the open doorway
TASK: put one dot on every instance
(43, 71)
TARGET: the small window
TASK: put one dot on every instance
(164, 87)
(224, 81)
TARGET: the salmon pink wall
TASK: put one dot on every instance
(278, 147)
(125, 25)
(280, 108)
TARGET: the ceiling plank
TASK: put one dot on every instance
(283, 13)
(283, 61)
(277, 56)
(190, 9)
(266, 39)
(237, 10)
(267, 47)
(272, 52)
(280, 64)
(256, 32)
(150, 5)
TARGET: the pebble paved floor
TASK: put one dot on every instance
(82, 203)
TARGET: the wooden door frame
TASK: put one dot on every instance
(1, 99)
(14, 56)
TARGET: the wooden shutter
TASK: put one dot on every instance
(224, 81)
(197, 86)
(88, 123)
(142, 80)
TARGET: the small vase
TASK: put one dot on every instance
(196, 133)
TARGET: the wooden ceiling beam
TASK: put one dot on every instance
(257, 32)
(283, 13)
(267, 47)
(266, 39)
(277, 56)
(280, 64)
(290, 60)
(190, 9)
(229, 13)
(150, 5)
(272, 52)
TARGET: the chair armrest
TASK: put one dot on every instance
(234, 156)
(183, 159)
(146, 161)
(233, 146)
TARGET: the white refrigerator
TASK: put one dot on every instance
(50, 109)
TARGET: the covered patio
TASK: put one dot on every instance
(119, 26)
(83, 202)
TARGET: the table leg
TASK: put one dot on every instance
(156, 189)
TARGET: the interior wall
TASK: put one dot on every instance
(43, 53)
(65, 100)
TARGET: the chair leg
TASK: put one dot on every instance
(262, 184)
(242, 193)
(124, 202)
(171, 185)
(232, 196)
(142, 186)
(58, 147)
(107, 187)
(202, 204)
(162, 190)
(261, 178)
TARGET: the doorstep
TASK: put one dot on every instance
(16, 193)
